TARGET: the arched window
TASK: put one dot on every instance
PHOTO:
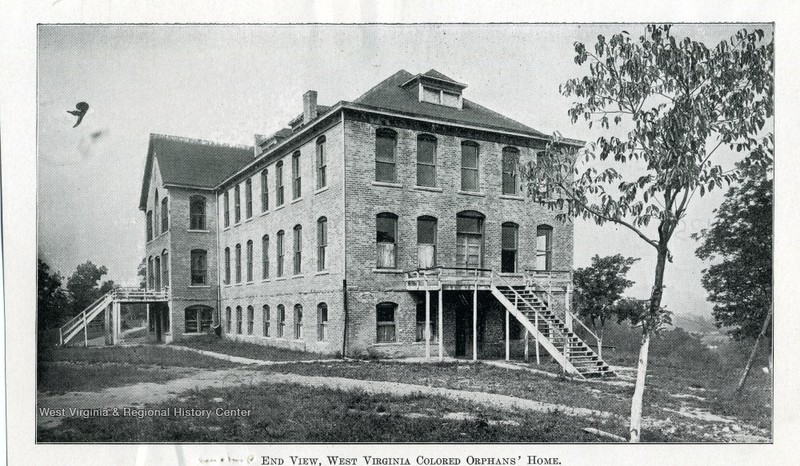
(296, 176)
(238, 320)
(197, 319)
(298, 321)
(279, 253)
(248, 198)
(544, 247)
(165, 267)
(265, 317)
(227, 208)
(151, 279)
(264, 191)
(198, 267)
(149, 225)
(249, 260)
(227, 266)
(322, 243)
(322, 163)
(510, 161)
(265, 257)
(385, 165)
(164, 215)
(281, 320)
(279, 183)
(197, 213)
(298, 249)
(384, 318)
(510, 245)
(386, 229)
(237, 204)
(469, 166)
(469, 239)
(426, 241)
(250, 319)
(426, 160)
(228, 319)
(157, 270)
(155, 214)
(238, 263)
(322, 321)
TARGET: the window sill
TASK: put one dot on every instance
(321, 190)
(264, 213)
(512, 197)
(323, 272)
(280, 207)
(249, 219)
(387, 184)
(299, 275)
(422, 343)
(295, 201)
(277, 279)
(433, 189)
(199, 286)
(387, 343)
(198, 231)
(226, 228)
(251, 282)
(265, 280)
(472, 193)
(395, 271)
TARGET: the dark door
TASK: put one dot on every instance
(463, 324)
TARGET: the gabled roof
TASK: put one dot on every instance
(437, 76)
(391, 95)
(192, 162)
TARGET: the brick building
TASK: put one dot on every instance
(395, 224)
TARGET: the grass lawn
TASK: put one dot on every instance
(247, 350)
(290, 413)
(149, 355)
(62, 377)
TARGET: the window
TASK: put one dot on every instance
(450, 99)
(264, 192)
(164, 215)
(281, 320)
(298, 321)
(155, 214)
(238, 263)
(544, 247)
(149, 225)
(199, 265)
(421, 320)
(228, 319)
(157, 270)
(248, 198)
(250, 260)
(197, 213)
(386, 227)
(510, 162)
(426, 160)
(298, 249)
(265, 257)
(227, 206)
(322, 164)
(322, 242)
(237, 204)
(322, 321)
(250, 319)
(279, 183)
(197, 319)
(165, 267)
(385, 322)
(279, 253)
(227, 266)
(385, 142)
(469, 239)
(238, 320)
(510, 241)
(426, 242)
(265, 319)
(469, 166)
(296, 185)
(151, 279)
(431, 95)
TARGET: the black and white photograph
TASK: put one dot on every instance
(503, 234)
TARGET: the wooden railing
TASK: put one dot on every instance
(139, 294)
(434, 277)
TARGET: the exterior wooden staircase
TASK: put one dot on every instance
(79, 323)
(529, 307)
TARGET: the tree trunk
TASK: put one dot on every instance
(638, 392)
(641, 370)
(753, 353)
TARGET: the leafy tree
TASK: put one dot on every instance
(141, 272)
(83, 285)
(52, 302)
(678, 102)
(599, 287)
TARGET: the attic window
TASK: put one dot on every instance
(440, 97)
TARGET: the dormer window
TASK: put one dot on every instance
(440, 97)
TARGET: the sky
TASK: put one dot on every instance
(226, 83)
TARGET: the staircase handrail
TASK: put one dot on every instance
(79, 316)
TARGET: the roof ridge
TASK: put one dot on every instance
(200, 141)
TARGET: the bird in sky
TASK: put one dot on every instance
(82, 108)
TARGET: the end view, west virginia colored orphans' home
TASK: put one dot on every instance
(393, 225)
